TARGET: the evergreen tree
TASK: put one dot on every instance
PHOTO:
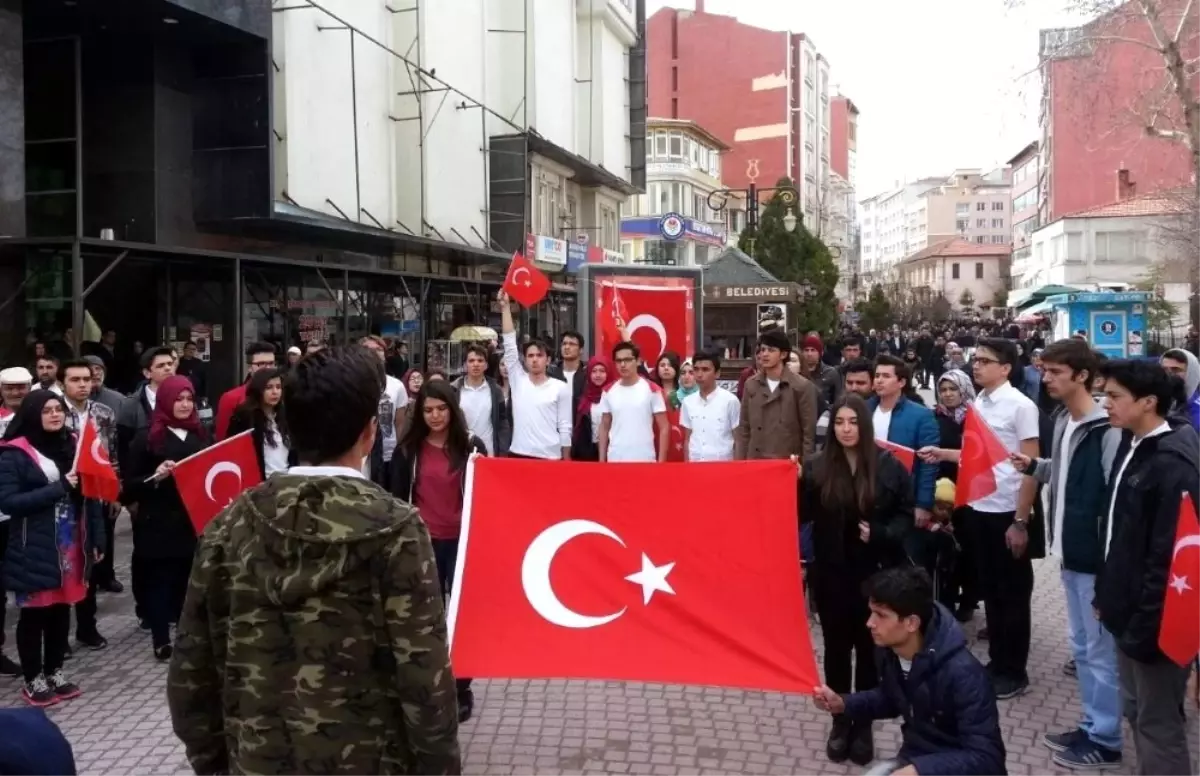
(876, 312)
(795, 257)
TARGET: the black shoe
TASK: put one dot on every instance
(111, 586)
(862, 744)
(1006, 687)
(8, 667)
(466, 705)
(1069, 667)
(39, 693)
(93, 641)
(143, 623)
(163, 654)
(837, 748)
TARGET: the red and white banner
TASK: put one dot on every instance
(658, 315)
(211, 479)
(97, 479)
(1179, 632)
(626, 586)
(905, 455)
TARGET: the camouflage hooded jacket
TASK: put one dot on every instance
(313, 639)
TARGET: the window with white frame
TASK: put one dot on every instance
(997, 223)
(1115, 246)
(999, 239)
(610, 233)
(660, 145)
(981, 206)
(675, 146)
(962, 209)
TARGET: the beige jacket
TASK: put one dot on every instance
(779, 423)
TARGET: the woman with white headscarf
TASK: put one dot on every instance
(955, 393)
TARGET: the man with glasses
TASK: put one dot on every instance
(633, 413)
(259, 355)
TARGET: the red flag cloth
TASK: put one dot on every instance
(675, 447)
(96, 476)
(211, 479)
(658, 318)
(525, 283)
(981, 452)
(612, 315)
(1179, 634)
(906, 455)
(630, 587)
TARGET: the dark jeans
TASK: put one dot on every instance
(1153, 695)
(42, 635)
(1006, 584)
(85, 615)
(965, 581)
(445, 555)
(3, 592)
(102, 572)
(843, 611)
(137, 583)
(165, 583)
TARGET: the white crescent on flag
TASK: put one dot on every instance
(516, 274)
(648, 321)
(99, 454)
(220, 468)
(535, 573)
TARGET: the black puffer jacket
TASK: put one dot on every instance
(31, 560)
(1132, 584)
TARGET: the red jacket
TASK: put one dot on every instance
(230, 401)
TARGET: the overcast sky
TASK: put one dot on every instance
(939, 84)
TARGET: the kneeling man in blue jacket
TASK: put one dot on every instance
(929, 677)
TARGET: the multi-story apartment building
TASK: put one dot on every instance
(1103, 83)
(967, 274)
(768, 99)
(672, 223)
(969, 204)
(233, 170)
(884, 220)
(1025, 210)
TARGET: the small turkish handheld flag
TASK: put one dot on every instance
(525, 283)
(906, 455)
(629, 587)
(1179, 634)
(981, 452)
(96, 476)
(211, 479)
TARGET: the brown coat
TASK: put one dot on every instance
(779, 423)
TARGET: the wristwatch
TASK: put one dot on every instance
(1022, 524)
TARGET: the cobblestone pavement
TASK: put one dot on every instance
(121, 723)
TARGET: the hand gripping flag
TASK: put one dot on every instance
(1179, 633)
(211, 479)
(982, 452)
(629, 587)
(97, 479)
(525, 283)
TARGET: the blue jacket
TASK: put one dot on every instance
(32, 744)
(916, 427)
(951, 724)
(31, 561)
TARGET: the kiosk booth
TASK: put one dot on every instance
(1113, 322)
(734, 316)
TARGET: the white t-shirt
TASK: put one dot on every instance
(596, 416)
(394, 397)
(882, 421)
(476, 405)
(542, 413)
(631, 436)
(711, 421)
(1060, 495)
(772, 384)
(1014, 418)
(275, 457)
(569, 376)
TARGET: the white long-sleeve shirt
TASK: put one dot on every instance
(542, 414)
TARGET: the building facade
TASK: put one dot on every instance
(1025, 210)
(673, 222)
(1102, 84)
(966, 274)
(768, 99)
(241, 170)
(969, 204)
(1115, 246)
(884, 221)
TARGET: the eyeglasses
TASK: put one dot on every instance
(985, 360)
(625, 360)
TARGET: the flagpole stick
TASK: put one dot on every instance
(460, 562)
(205, 450)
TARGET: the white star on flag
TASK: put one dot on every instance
(652, 578)
(1180, 584)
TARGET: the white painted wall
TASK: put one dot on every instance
(423, 157)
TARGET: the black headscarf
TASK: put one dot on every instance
(57, 446)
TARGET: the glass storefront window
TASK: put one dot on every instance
(289, 306)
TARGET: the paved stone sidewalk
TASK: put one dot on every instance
(121, 723)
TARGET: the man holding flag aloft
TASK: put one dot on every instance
(1150, 543)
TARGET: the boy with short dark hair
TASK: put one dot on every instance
(929, 677)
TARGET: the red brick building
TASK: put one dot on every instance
(1101, 89)
(764, 93)
(843, 137)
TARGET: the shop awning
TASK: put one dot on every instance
(1044, 293)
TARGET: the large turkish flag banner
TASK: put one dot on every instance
(659, 315)
(211, 479)
(624, 585)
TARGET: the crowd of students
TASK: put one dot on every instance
(891, 563)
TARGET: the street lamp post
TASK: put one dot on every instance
(719, 199)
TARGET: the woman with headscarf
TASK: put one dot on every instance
(585, 436)
(48, 568)
(955, 392)
(687, 382)
(164, 540)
